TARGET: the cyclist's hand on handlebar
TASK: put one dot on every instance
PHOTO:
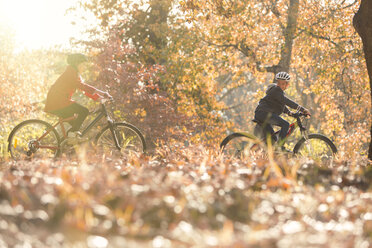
(104, 95)
(95, 96)
(306, 112)
(107, 95)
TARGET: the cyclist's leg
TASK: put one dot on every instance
(69, 111)
(267, 129)
(283, 124)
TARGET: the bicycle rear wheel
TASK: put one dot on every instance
(318, 148)
(241, 145)
(33, 139)
(130, 140)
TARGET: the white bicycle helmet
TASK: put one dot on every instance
(282, 76)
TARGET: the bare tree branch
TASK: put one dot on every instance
(307, 31)
(241, 47)
(276, 13)
(233, 89)
(233, 107)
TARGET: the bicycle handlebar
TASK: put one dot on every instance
(297, 115)
(103, 100)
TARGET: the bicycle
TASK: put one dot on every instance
(36, 138)
(315, 146)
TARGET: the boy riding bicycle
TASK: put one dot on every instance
(59, 100)
(273, 105)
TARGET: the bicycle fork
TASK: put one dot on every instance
(305, 134)
(114, 135)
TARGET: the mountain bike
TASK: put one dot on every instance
(315, 146)
(38, 139)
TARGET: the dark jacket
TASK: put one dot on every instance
(275, 101)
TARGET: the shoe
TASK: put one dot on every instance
(283, 149)
(73, 138)
(74, 134)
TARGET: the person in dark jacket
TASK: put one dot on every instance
(273, 104)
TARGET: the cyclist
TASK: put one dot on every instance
(273, 104)
(59, 100)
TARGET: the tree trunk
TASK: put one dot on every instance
(289, 35)
(362, 23)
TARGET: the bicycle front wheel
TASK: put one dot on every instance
(316, 147)
(241, 145)
(33, 139)
(129, 138)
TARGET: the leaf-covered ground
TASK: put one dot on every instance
(184, 197)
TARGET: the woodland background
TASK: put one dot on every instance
(187, 73)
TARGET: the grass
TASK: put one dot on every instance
(184, 197)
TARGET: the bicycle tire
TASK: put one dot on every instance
(240, 143)
(17, 149)
(321, 149)
(231, 136)
(137, 146)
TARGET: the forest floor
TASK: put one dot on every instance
(185, 197)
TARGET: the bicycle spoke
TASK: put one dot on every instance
(107, 144)
(243, 147)
(33, 139)
(317, 150)
(128, 140)
(107, 140)
(309, 148)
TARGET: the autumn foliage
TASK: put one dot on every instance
(187, 73)
(183, 196)
(183, 76)
(315, 42)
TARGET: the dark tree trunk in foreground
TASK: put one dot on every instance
(363, 25)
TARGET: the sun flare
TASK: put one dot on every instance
(37, 23)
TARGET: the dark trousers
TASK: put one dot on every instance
(69, 111)
(269, 119)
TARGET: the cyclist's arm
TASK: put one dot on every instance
(85, 87)
(91, 92)
(294, 105)
(277, 94)
(288, 102)
(97, 94)
(286, 111)
(102, 93)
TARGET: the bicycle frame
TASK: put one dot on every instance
(294, 125)
(102, 113)
(246, 143)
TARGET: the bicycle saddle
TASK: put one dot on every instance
(257, 122)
